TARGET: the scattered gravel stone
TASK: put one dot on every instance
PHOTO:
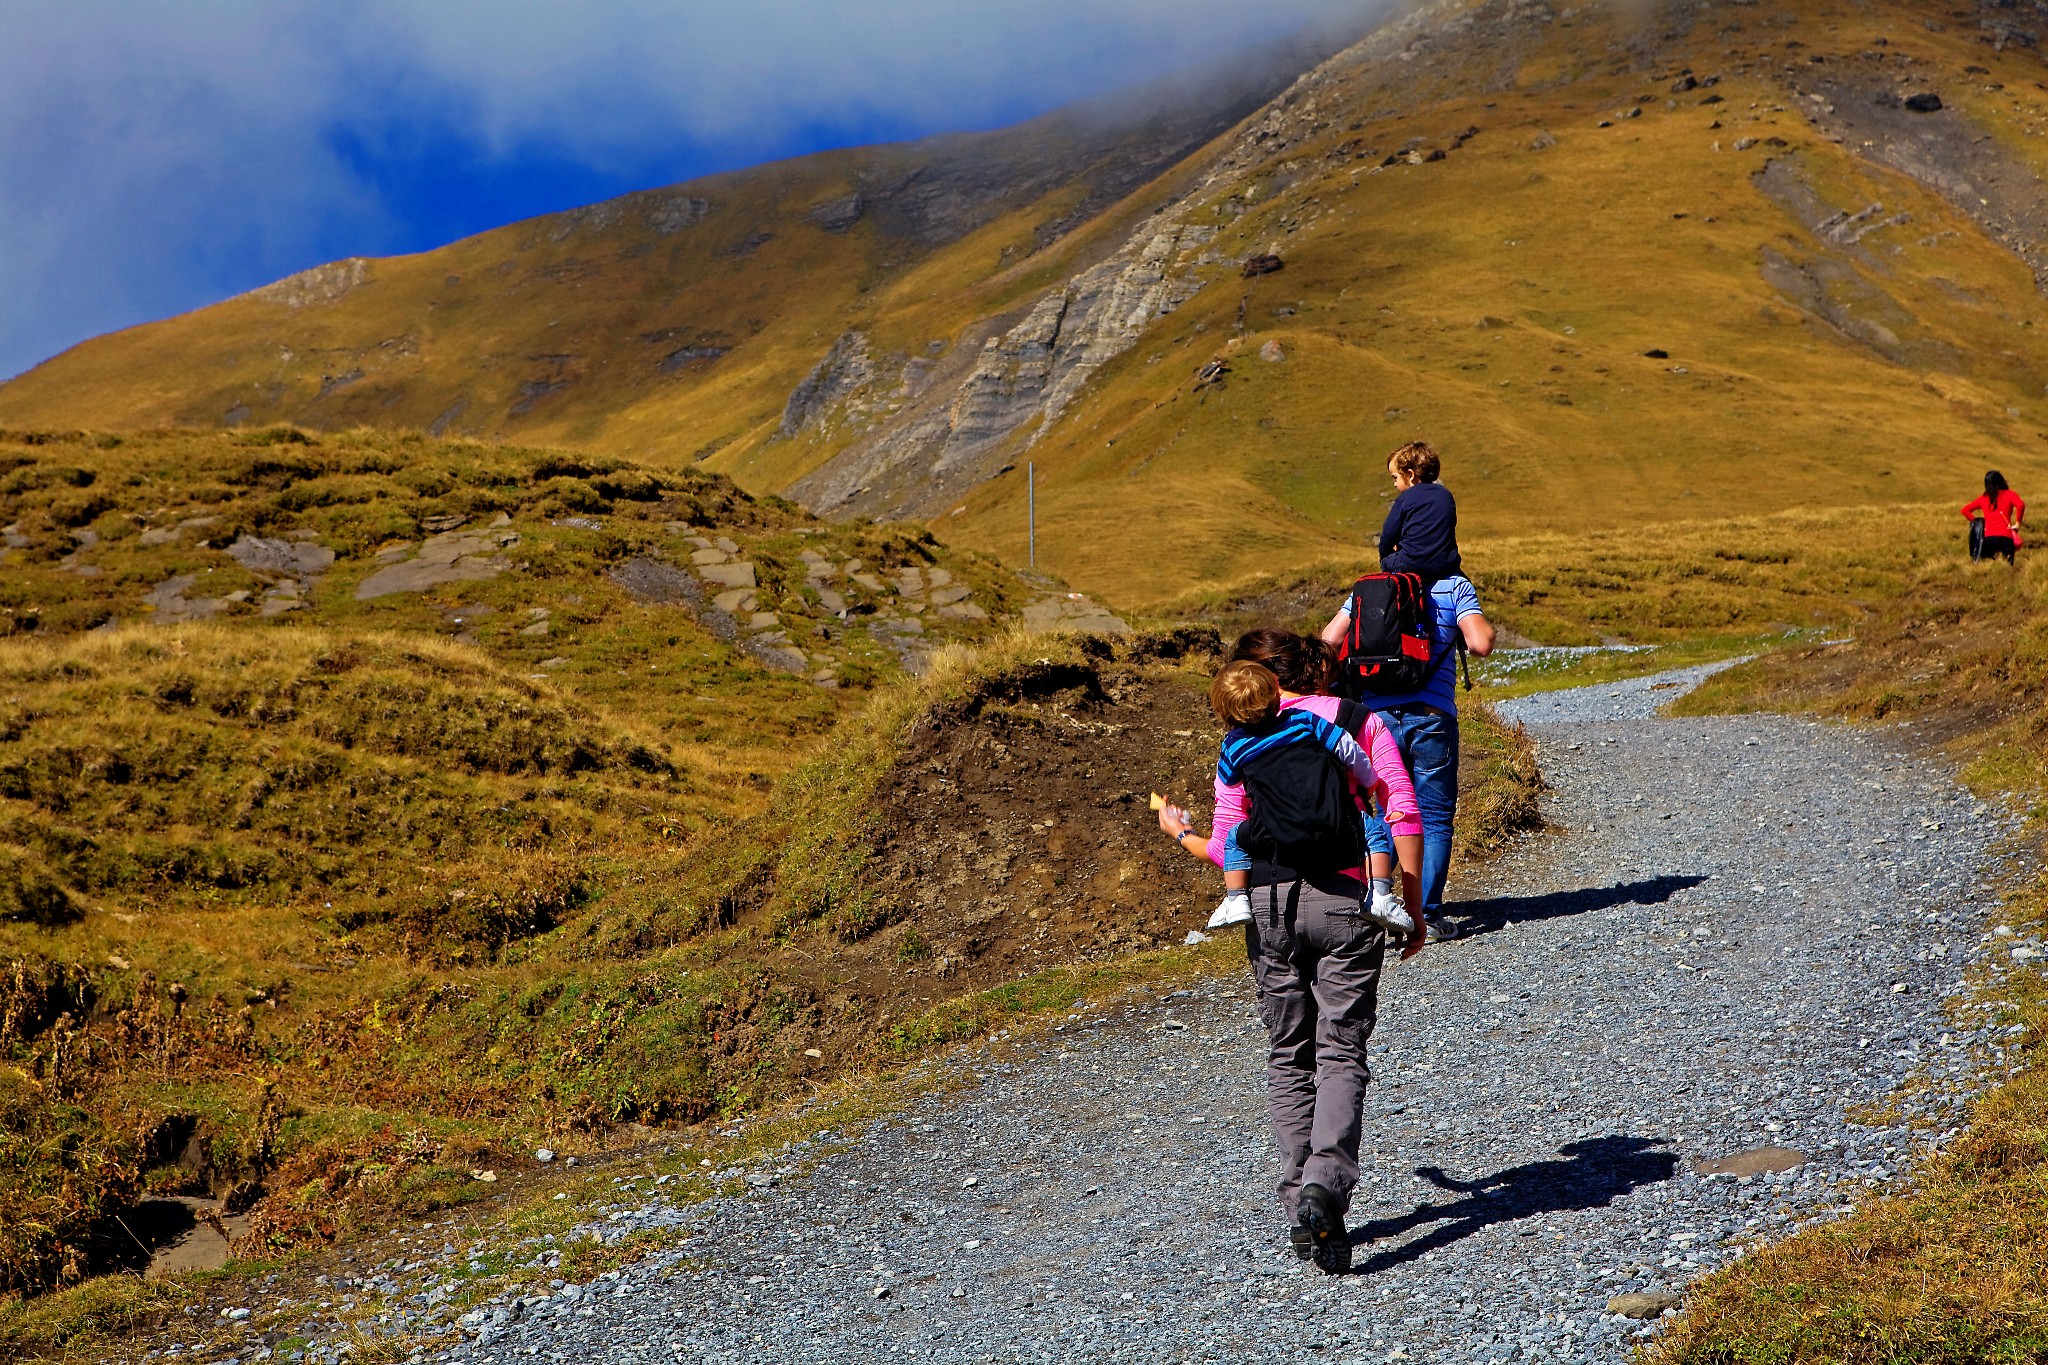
(1697, 964)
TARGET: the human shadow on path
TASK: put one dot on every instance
(1498, 912)
(1594, 1172)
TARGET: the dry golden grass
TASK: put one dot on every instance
(1953, 1266)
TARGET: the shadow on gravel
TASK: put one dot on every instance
(1498, 912)
(1592, 1174)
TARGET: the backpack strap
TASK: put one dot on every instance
(1351, 718)
(1350, 645)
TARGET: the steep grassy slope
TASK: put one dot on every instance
(1601, 326)
(1624, 266)
(373, 807)
(667, 324)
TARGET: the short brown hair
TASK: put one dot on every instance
(1419, 459)
(1245, 693)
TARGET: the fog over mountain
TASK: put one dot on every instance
(157, 157)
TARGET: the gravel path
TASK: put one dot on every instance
(1744, 928)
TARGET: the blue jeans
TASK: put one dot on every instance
(1429, 743)
(1378, 839)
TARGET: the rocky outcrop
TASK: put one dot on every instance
(1948, 150)
(846, 369)
(839, 215)
(1023, 378)
(669, 214)
(447, 558)
(969, 418)
(1036, 370)
(321, 284)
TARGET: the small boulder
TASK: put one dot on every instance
(1263, 264)
(1643, 1307)
(840, 214)
(1927, 102)
(1755, 1161)
(1272, 353)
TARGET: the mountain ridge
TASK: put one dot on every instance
(1622, 263)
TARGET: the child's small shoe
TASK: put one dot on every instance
(1235, 909)
(1387, 911)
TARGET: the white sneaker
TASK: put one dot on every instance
(1235, 909)
(1387, 911)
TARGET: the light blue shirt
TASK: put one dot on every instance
(1454, 600)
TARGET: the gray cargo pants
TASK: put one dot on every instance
(1316, 959)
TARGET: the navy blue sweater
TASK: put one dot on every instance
(1421, 534)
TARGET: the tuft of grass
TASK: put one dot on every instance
(87, 1322)
(1500, 785)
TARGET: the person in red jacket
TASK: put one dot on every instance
(1995, 520)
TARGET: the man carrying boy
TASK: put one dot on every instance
(1421, 532)
(1421, 538)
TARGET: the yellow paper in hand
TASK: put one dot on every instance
(1158, 801)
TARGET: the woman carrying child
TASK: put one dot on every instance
(1314, 949)
(1305, 666)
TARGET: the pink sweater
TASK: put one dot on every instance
(1391, 786)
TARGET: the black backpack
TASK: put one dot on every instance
(1302, 816)
(1390, 647)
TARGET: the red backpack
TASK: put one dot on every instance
(1389, 649)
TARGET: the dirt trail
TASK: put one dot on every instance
(1743, 929)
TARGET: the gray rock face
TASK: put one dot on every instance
(170, 604)
(1030, 373)
(670, 214)
(455, 557)
(321, 284)
(1076, 613)
(297, 558)
(652, 581)
(845, 370)
(839, 215)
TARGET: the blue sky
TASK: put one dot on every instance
(157, 157)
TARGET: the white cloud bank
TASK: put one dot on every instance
(154, 156)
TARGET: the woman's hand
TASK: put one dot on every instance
(1417, 940)
(1174, 821)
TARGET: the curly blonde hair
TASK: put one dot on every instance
(1245, 693)
(1419, 459)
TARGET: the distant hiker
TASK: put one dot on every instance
(1995, 520)
(1424, 718)
(1305, 667)
(1315, 953)
(1421, 531)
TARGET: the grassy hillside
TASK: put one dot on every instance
(1507, 302)
(1652, 286)
(307, 742)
